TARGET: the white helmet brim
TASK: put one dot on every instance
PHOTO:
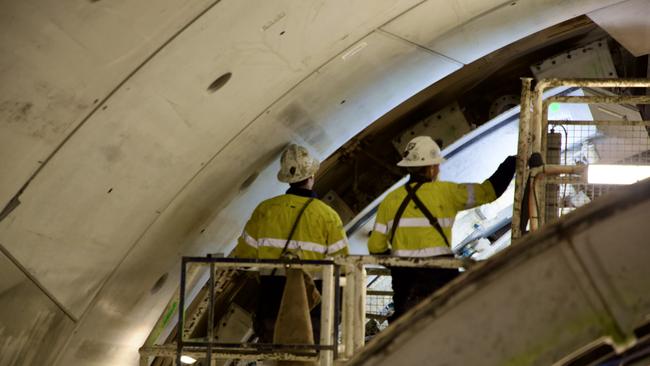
(416, 163)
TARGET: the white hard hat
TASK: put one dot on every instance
(421, 151)
(296, 164)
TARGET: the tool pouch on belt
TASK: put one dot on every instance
(313, 296)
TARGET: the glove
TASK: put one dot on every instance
(502, 177)
(535, 160)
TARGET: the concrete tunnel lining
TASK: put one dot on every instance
(162, 192)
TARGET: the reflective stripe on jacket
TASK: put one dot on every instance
(319, 233)
(414, 236)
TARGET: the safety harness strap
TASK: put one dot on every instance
(293, 230)
(432, 219)
(400, 211)
(295, 225)
(411, 195)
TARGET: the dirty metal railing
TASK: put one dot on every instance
(573, 147)
(327, 349)
(346, 273)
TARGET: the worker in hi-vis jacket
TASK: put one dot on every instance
(295, 224)
(415, 220)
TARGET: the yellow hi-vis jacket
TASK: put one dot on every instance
(414, 236)
(319, 233)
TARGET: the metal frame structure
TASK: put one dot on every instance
(346, 272)
(533, 126)
(330, 274)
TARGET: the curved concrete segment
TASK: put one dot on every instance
(122, 160)
(579, 281)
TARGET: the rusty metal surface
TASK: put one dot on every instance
(223, 279)
(629, 140)
(377, 271)
(600, 123)
(537, 201)
(534, 139)
(593, 99)
(540, 106)
(522, 155)
(559, 169)
(379, 293)
(169, 351)
(592, 83)
(389, 261)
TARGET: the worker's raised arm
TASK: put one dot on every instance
(469, 195)
(378, 242)
(503, 175)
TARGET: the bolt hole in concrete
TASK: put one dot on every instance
(159, 283)
(110, 190)
(219, 82)
(343, 101)
(282, 33)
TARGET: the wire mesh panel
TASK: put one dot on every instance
(591, 143)
(379, 304)
(378, 308)
(600, 125)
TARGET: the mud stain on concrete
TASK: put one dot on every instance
(298, 120)
(15, 111)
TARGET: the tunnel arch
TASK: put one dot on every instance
(117, 159)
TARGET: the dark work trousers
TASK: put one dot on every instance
(268, 306)
(412, 285)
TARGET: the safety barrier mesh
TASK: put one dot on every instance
(570, 143)
(378, 306)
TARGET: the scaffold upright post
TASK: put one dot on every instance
(522, 155)
(327, 315)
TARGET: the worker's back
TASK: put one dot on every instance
(318, 234)
(414, 235)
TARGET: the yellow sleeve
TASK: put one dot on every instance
(469, 195)
(337, 241)
(378, 242)
(247, 242)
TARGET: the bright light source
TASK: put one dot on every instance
(187, 360)
(617, 174)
